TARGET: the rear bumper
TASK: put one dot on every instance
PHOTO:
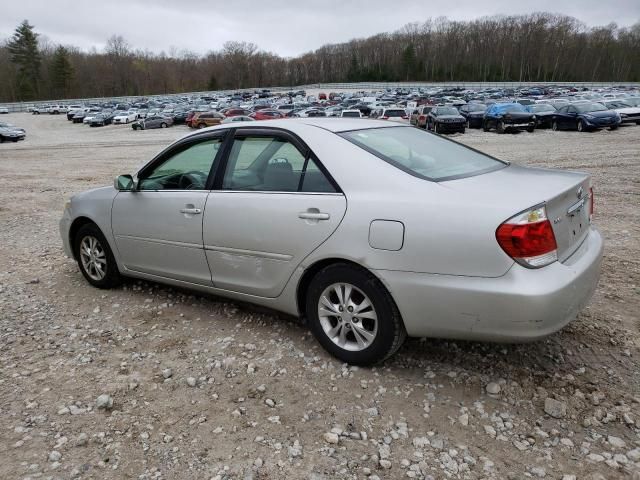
(522, 305)
(451, 127)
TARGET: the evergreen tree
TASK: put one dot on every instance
(213, 83)
(23, 48)
(61, 71)
(409, 61)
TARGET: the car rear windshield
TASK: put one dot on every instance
(423, 154)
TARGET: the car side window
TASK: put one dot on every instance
(186, 169)
(273, 164)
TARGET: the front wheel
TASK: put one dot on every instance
(202, 125)
(554, 126)
(95, 258)
(435, 127)
(581, 126)
(163, 125)
(500, 128)
(613, 127)
(353, 316)
(531, 129)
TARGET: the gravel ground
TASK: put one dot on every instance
(147, 381)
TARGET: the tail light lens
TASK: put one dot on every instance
(384, 118)
(528, 238)
(404, 117)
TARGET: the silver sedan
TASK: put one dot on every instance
(372, 231)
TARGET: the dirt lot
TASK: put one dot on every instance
(205, 388)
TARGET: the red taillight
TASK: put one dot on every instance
(404, 117)
(528, 238)
(384, 118)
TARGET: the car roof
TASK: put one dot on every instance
(294, 125)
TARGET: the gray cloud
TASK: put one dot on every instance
(287, 28)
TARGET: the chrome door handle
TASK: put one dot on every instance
(313, 216)
(191, 211)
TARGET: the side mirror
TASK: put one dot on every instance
(124, 183)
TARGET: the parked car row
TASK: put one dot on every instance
(440, 110)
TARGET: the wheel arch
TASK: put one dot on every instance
(314, 268)
(76, 225)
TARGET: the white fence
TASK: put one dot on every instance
(329, 87)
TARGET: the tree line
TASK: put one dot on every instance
(539, 47)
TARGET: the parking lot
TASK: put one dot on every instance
(207, 388)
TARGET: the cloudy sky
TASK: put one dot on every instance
(286, 27)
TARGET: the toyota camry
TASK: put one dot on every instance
(370, 230)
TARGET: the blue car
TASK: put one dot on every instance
(585, 116)
(508, 117)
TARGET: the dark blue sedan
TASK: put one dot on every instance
(585, 116)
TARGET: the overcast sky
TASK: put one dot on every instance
(288, 28)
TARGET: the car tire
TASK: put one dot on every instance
(500, 128)
(383, 317)
(468, 124)
(96, 253)
(1, 139)
(463, 130)
(202, 125)
(435, 127)
(531, 129)
(613, 127)
(580, 126)
(554, 126)
(163, 125)
(485, 127)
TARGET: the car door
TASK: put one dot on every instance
(272, 205)
(158, 226)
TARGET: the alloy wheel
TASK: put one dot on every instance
(93, 258)
(347, 316)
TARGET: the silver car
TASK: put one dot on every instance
(370, 230)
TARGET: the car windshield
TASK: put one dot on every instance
(477, 107)
(447, 111)
(590, 107)
(542, 108)
(422, 154)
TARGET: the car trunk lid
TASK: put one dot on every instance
(515, 189)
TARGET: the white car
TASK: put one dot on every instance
(89, 116)
(628, 113)
(393, 114)
(38, 109)
(125, 117)
(56, 109)
(351, 114)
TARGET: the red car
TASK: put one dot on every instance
(189, 118)
(266, 115)
(234, 112)
(322, 96)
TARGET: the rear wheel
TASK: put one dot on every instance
(554, 126)
(485, 126)
(163, 125)
(581, 126)
(202, 125)
(353, 316)
(613, 127)
(531, 129)
(500, 128)
(435, 127)
(95, 258)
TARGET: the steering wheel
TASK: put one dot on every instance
(192, 180)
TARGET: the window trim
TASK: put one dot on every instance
(240, 132)
(180, 146)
